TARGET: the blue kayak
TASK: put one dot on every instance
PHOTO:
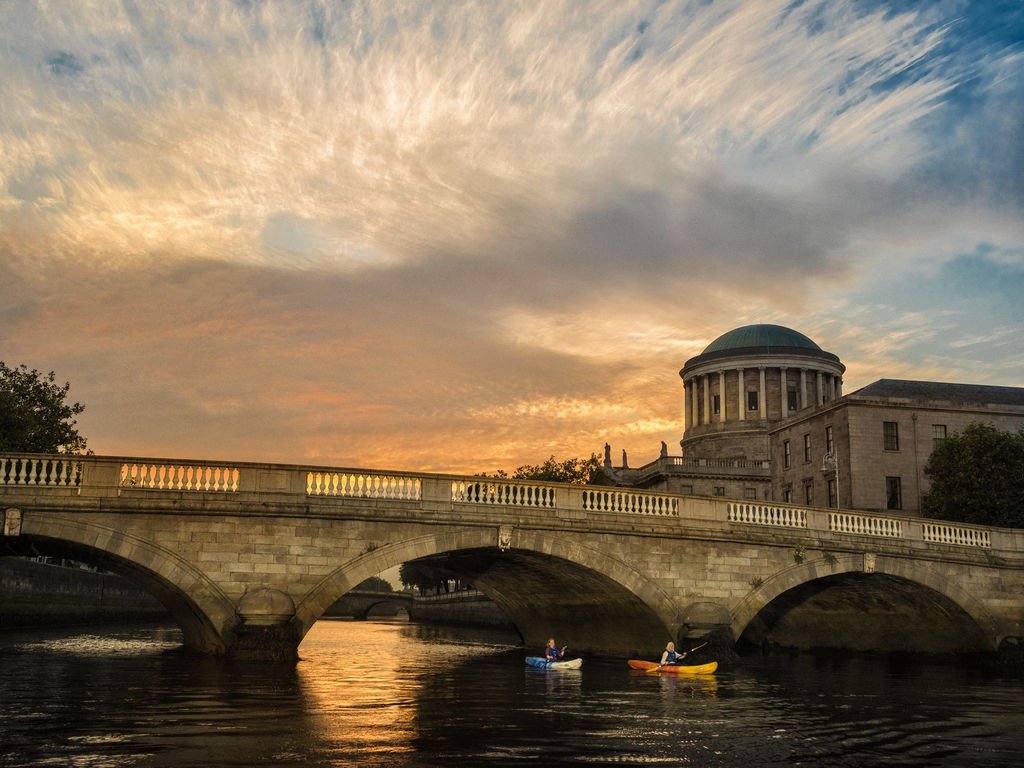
(541, 663)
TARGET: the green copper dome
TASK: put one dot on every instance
(762, 335)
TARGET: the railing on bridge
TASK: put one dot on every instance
(109, 475)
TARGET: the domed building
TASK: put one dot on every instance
(745, 382)
(766, 419)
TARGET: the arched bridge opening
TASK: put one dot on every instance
(584, 599)
(545, 596)
(198, 633)
(873, 612)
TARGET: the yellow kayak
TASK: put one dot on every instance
(673, 669)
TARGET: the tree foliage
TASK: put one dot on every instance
(577, 471)
(427, 577)
(35, 416)
(375, 584)
(977, 476)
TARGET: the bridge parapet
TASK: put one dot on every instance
(96, 476)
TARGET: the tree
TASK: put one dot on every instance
(577, 471)
(977, 476)
(375, 584)
(34, 414)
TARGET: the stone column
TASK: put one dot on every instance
(803, 388)
(821, 389)
(782, 396)
(695, 400)
(742, 387)
(762, 394)
(721, 395)
(839, 387)
(707, 398)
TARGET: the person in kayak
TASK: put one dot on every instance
(671, 657)
(551, 653)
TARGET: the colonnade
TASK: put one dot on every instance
(699, 395)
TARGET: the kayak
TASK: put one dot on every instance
(653, 666)
(541, 663)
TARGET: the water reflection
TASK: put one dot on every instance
(405, 696)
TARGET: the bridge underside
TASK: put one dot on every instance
(865, 612)
(550, 597)
(198, 633)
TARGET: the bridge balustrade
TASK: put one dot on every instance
(179, 477)
(364, 485)
(767, 514)
(108, 476)
(45, 471)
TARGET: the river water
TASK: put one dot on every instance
(399, 695)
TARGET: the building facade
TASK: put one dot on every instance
(766, 418)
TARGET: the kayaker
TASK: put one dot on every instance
(551, 653)
(670, 657)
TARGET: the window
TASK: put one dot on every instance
(893, 493)
(787, 495)
(807, 449)
(808, 493)
(750, 493)
(752, 401)
(891, 435)
(717, 404)
(719, 490)
(938, 434)
(830, 447)
(786, 454)
(791, 399)
(832, 502)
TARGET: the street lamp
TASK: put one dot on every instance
(830, 466)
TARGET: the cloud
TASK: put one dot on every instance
(462, 235)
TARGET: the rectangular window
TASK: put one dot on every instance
(752, 401)
(787, 495)
(938, 434)
(717, 400)
(807, 449)
(719, 490)
(832, 494)
(750, 493)
(830, 447)
(893, 493)
(791, 399)
(808, 493)
(786, 454)
(891, 435)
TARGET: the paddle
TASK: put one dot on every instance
(687, 653)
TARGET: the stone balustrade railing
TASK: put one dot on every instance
(111, 476)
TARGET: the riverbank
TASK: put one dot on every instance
(41, 594)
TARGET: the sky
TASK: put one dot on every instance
(466, 236)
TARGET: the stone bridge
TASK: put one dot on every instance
(248, 556)
(358, 603)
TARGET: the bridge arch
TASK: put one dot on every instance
(545, 585)
(204, 613)
(978, 630)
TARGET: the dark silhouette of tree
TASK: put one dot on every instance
(577, 471)
(977, 476)
(375, 584)
(34, 414)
